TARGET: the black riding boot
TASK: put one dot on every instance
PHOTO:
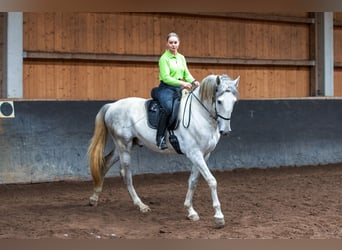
(162, 125)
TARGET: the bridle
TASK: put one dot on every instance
(214, 117)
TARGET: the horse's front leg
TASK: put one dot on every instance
(110, 159)
(199, 161)
(192, 184)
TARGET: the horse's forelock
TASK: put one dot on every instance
(234, 90)
(231, 86)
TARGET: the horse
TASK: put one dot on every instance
(205, 112)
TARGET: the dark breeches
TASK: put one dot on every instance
(166, 94)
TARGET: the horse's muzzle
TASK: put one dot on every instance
(224, 133)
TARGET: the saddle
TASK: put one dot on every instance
(153, 108)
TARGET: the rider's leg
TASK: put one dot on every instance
(162, 125)
(165, 97)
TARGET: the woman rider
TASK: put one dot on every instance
(173, 75)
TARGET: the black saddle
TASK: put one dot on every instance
(153, 108)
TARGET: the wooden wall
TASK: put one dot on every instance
(2, 17)
(338, 53)
(276, 42)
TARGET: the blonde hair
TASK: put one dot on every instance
(171, 35)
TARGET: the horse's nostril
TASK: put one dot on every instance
(224, 132)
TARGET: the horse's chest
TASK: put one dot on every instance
(211, 142)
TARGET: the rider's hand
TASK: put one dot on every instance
(186, 85)
(196, 83)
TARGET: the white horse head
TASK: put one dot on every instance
(220, 92)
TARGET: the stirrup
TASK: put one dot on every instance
(162, 144)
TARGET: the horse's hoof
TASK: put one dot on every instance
(92, 202)
(145, 209)
(193, 217)
(219, 223)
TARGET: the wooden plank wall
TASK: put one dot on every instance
(2, 16)
(144, 34)
(338, 53)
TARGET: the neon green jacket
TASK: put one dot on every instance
(173, 68)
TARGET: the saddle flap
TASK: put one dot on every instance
(152, 108)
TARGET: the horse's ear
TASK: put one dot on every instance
(218, 80)
(236, 81)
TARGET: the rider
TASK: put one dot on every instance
(173, 75)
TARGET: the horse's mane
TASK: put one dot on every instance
(209, 87)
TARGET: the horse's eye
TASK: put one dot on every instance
(219, 102)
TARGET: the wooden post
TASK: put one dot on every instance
(312, 56)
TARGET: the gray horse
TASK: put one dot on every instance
(206, 113)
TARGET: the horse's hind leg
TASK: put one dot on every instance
(110, 159)
(192, 183)
(126, 173)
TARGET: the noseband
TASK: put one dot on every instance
(216, 113)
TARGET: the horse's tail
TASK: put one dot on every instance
(97, 146)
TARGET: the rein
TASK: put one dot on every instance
(217, 115)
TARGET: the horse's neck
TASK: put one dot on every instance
(201, 110)
(205, 107)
